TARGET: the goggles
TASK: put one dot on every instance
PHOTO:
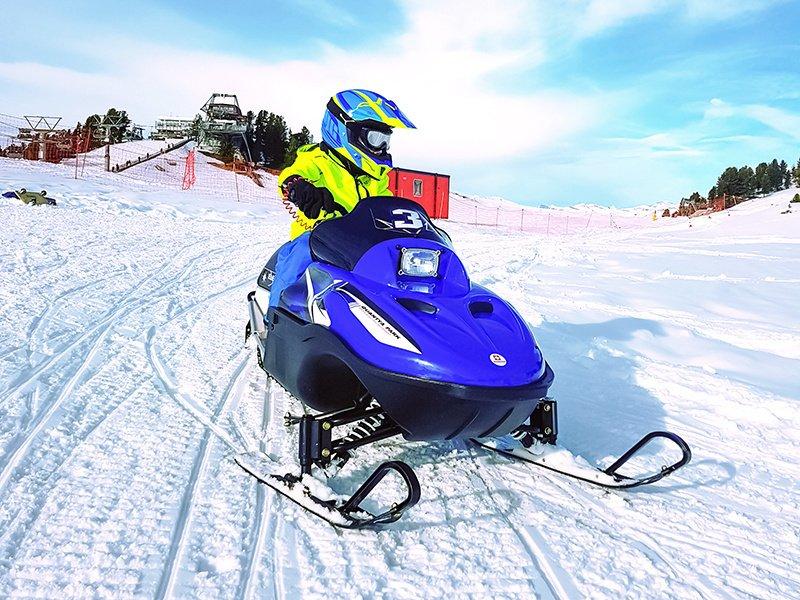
(375, 140)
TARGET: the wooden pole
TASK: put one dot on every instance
(235, 180)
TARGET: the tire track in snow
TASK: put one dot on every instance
(110, 315)
(200, 465)
(557, 580)
(263, 521)
(128, 306)
(19, 452)
(580, 496)
(144, 302)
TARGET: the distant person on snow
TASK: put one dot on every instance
(328, 179)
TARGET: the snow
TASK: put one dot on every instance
(126, 393)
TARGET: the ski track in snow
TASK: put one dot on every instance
(125, 391)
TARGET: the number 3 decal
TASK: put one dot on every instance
(411, 219)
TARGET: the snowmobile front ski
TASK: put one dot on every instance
(536, 444)
(344, 513)
(560, 460)
(318, 448)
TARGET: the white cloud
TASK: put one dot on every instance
(438, 72)
(600, 15)
(774, 118)
(779, 120)
(327, 10)
(592, 17)
(718, 10)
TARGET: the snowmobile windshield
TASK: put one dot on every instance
(342, 242)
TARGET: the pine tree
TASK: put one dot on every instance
(226, 149)
(745, 182)
(796, 173)
(766, 184)
(784, 174)
(761, 174)
(194, 130)
(117, 133)
(775, 175)
(276, 140)
(297, 141)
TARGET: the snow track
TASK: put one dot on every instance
(125, 392)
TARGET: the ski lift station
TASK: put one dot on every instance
(171, 128)
(223, 121)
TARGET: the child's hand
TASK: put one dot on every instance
(311, 200)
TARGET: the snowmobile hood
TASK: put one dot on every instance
(450, 331)
(439, 327)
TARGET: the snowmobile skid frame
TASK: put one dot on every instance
(542, 431)
(318, 447)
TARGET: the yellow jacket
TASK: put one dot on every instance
(326, 168)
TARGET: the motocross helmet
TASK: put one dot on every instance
(358, 126)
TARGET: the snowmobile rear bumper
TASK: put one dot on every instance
(315, 366)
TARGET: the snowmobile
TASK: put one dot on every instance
(385, 335)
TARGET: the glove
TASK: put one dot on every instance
(312, 199)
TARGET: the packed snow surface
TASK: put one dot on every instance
(126, 391)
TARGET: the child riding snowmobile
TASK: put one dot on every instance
(328, 179)
(373, 323)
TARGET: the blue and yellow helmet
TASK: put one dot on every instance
(358, 125)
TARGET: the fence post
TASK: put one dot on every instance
(522, 220)
(476, 214)
(548, 222)
(497, 217)
(235, 180)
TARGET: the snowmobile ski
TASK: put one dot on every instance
(559, 460)
(339, 512)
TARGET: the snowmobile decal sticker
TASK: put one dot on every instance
(411, 219)
(316, 308)
(403, 218)
(377, 325)
(498, 359)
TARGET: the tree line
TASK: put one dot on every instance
(269, 140)
(746, 182)
(90, 134)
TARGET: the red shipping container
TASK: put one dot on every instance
(429, 190)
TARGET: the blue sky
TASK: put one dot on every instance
(614, 102)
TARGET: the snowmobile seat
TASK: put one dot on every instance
(343, 241)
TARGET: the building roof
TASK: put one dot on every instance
(405, 170)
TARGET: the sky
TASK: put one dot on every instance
(615, 102)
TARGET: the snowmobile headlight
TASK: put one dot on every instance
(419, 262)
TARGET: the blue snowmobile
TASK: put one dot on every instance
(385, 335)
